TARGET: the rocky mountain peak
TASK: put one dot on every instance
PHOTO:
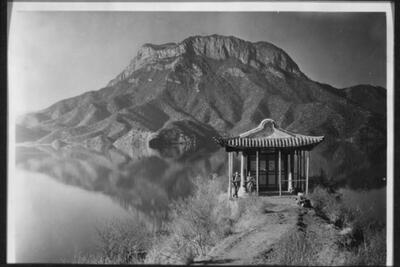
(258, 54)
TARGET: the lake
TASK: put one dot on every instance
(59, 197)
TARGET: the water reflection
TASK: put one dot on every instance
(148, 183)
(118, 183)
(152, 178)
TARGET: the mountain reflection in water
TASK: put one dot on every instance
(146, 182)
(151, 181)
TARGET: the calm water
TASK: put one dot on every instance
(59, 197)
(52, 220)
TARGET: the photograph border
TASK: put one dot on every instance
(386, 7)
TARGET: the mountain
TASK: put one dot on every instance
(369, 97)
(185, 93)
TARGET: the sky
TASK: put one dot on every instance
(55, 55)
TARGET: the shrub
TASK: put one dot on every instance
(372, 251)
(368, 225)
(194, 219)
(331, 207)
(326, 204)
(362, 213)
(170, 249)
(120, 242)
(195, 224)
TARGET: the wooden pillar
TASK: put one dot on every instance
(242, 174)
(242, 189)
(292, 165)
(304, 170)
(289, 172)
(301, 170)
(307, 170)
(257, 169)
(230, 170)
(293, 168)
(297, 168)
(279, 173)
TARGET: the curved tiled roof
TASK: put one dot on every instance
(269, 135)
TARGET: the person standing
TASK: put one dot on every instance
(236, 182)
(249, 183)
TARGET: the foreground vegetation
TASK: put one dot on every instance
(356, 236)
(362, 220)
(197, 223)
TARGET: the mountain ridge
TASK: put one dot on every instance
(218, 85)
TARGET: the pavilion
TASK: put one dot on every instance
(278, 159)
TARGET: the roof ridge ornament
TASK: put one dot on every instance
(261, 126)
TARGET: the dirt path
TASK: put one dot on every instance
(253, 236)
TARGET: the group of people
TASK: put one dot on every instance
(249, 183)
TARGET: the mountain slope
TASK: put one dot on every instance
(204, 86)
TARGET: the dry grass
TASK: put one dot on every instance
(120, 242)
(296, 248)
(195, 224)
(328, 206)
(359, 212)
(372, 251)
(198, 222)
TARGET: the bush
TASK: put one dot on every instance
(368, 225)
(371, 252)
(199, 221)
(195, 224)
(170, 249)
(195, 219)
(325, 204)
(120, 242)
(361, 213)
(330, 207)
